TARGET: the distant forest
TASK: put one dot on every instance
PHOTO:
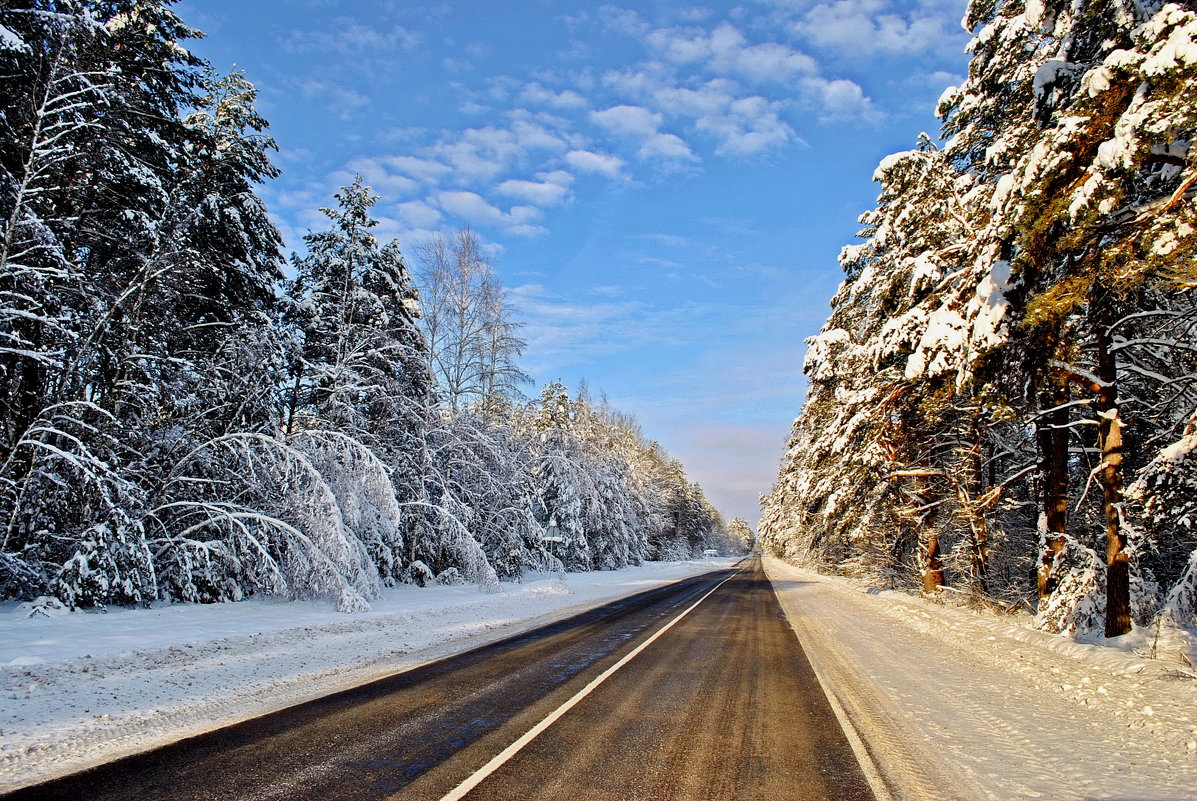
(186, 416)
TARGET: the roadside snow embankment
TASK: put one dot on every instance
(954, 704)
(82, 689)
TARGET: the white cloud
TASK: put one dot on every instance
(376, 173)
(639, 123)
(862, 27)
(350, 37)
(472, 107)
(726, 51)
(628, 120)
(591, 162)
(536, 94)
(701, 73)
(713, 97)
(667, 146)
(481, 154)
(840, 99)
(456, 66)
(749, 126)
(425, 170)
(741, 125)
(473, 208)
(418, 214)
(623, 20)
(550, 190)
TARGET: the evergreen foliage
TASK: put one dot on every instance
(1001, 400)
(178, 422)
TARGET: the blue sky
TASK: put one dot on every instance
(666, 186)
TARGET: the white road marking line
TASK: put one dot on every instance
(868, 765)
(507, 753)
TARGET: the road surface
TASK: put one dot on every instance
(699, 690)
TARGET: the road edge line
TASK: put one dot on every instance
(868, 765)
(860, 749)
(496, 762)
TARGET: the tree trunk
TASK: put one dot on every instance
(1052, 438)
(933, 577)
(1118, 620)
(979, 551)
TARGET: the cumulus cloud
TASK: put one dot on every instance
(700, 72)
(481, 154)
(590, 162)
(417, 214)
(551, 189)
(536, 94)
(642, 125)
(726, 50)
(861, 27)
(741, 124)
(623, 20)
(377, 174)
(841, 98)
(473, 208)
(628, 120)
(425, 170)
(749, 126)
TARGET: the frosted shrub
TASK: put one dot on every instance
(1078, 604)
(1181, 604)
(420, 574)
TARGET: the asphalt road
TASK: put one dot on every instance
(721, 705)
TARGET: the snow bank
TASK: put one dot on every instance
(82, 689)
(954, 704)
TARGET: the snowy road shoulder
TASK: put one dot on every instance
(83, 689)
(958, 705)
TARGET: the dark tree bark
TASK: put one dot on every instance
(1052, 437)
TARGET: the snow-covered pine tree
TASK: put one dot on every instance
(741, 533)
(1092, 211)
(562, 481)
(1061, 303)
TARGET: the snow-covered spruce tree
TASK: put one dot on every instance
(361, 366)
(615, 500)
(562, 481)
(741, 533)
(133, 247)
(1061, 300)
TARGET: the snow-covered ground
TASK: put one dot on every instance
(950, 703)
(81, 689)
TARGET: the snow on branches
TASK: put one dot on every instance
(1016, 336)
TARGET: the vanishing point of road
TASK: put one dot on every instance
(699, 691)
